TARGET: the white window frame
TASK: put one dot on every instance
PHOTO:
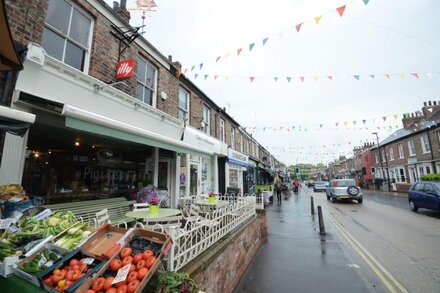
(411, 148)
(67, 38)
(376, 156)
(425, 144)
(401, 153)
(186, 111)
(438, 138)
(143, 83)
(206, 120)
(383, 153)
(222, 130)
(233, 138)
(241, 144)
(391, 150)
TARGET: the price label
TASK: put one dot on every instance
(122, 274)
(48, 264)
(44, 214)
(4, 224)
(13, 229)
(89, 261)
(42, 261)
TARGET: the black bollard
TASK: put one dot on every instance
(321, 221)
(312, 205)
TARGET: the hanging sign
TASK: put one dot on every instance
(125, 69)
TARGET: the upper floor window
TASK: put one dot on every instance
(425, 144)
(383, 155)
(233, 138)
(206, 120)
(240, 142)
(146, 82)
(183, 104)
(67, 34)
(400, 148)
(376, 155)
(391, 154)
(222, 130)
(411, 148)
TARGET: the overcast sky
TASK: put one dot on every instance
(385, 36)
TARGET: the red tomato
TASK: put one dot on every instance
(115, 264)
(132, 268)
(48, 281)
(122, 289)
(137, 257)
(122, 283)
(140, 264)
(150, 262)
(58, 277)
(127, 260)
(142, 273)
(98, 284)
(126, 251)
(132, 286)
(69, 275)
(108, 283)
(81, 262)
(76, 267)
(90, 291)
(147, 254)
(132, 276)
(111, 290)
(73, 262)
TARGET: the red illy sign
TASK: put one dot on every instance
(125, 69)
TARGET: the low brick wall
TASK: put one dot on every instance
(403, 187)
(221, 268)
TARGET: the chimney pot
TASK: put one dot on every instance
(412, 114)
(424, 104)
(123, 4)
(429, 103)
(115, 4)
(170, 58)
(434, 103)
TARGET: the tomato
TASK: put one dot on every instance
(56, 271)
(76, 275)
(69, 275)
(115, 264)
(98, 284)
(111, 290)
(122, 283)
(150, 262)
(147, 254)
(126, 251)
(132, 268)
(122, 289)
(137, 257)
(81, 262)
(132, 276)
(142, 273)
(75, 267)
(132, 286)
(108, 283)
(58, 277)
(127, 260)
(140, 265)
(90, 291)
(48, 281)
(73, 262)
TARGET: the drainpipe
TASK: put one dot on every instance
(432, 153)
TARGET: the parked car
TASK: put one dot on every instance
(320, 186)
(424, 194)
(310, 183)
(343, 189)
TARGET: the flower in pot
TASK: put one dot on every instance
(211, 197)
(154, 205)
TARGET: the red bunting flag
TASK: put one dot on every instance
(178, 73)
(302, 78)
(416, 75)
(215, 77)
(384, 118)
(218, 58)
(252, 78)
(330, 77)
(298, 27)
(341, 10)
(387, 75)
(239, 51)
(337, 123)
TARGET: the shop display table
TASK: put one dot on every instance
(145, 214)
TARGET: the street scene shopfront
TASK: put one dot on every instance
(236, 168)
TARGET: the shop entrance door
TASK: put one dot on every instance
(164, 180)
(194, 179)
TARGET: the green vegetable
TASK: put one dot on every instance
(175, 282)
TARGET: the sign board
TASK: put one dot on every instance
(125, 69)
(237, 158)
(204, 141)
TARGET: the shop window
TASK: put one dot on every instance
(66, 34)
(146, 82)
(206, 125)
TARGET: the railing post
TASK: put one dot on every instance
(170, 258)
(312, 205)
(321, 222)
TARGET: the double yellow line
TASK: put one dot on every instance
(389, 281)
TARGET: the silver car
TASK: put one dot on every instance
(320, 186)
(343, 189)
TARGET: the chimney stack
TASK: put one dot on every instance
(115, 5)
(122, 11)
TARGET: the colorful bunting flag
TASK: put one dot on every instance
(195, 76)
(206, 76)
(384, 118)
(186, 69)
(227, 55)
(288, 78)
(330, 77)
(320, 125)
(315, 78)
(275, 78)
(302, 78)
(354, 122)
(356, 76)
(387, 75)
(251, 46)
(416, 75)
(226, 77)
(364, 120)
(178, 73)
(337, 123)
(395, 116)
(366, 1)
(201, 65)
(239, 51)
(215, 77)
(317, 19)
(192, 68)
(298, 27)
(401, 75)
(265, 40)
(218, 58)
(341, 10)
(372, 76)
(252, 78)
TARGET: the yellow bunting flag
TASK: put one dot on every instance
(317, 19)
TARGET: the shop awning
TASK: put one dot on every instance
(91, 122)
(9, 59)
(14, 121)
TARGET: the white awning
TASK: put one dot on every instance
(18, 115)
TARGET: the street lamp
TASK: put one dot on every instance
(381, 161)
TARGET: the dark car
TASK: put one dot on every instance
(424, 194)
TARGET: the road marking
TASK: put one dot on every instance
(374, 264)
(354, 266)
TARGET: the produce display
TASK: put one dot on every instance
(73, 237)
(53, 225)
(8, 191)
(170, 282)
(140, 255)
(40, 262)
(62, 278)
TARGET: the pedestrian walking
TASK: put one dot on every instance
(296, 185)
(278, 188)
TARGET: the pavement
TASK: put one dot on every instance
(296, 258)
(374, 191)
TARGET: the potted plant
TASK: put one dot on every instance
(173, 282)
(154, 205)
(211, 197)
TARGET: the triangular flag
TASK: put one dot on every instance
(384, 118)
(298, 27)
(356, 76)
(195, 76)
(201, 65)
(372, 76)
(317, 19)
(366, 1)
(227, 54)
(341, 10)
(251, 78)
(320, 125)
(239, 51)
(275, 78)
(387, 75)
(364, 121)
(226, 77)
(265, 40)
(401, 75)
(345, 123)
(215, 77)
(315, 78)
(416, 75)
(302, 78)
(186, 69)
(178, 73)
(206, 76)
(354, 122)
(251, 46)
(218, 58)
(289, 78)
(337, 123)
(330, 77)
(192, 68)
(395, 116)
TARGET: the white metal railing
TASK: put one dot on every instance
(203, 231)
